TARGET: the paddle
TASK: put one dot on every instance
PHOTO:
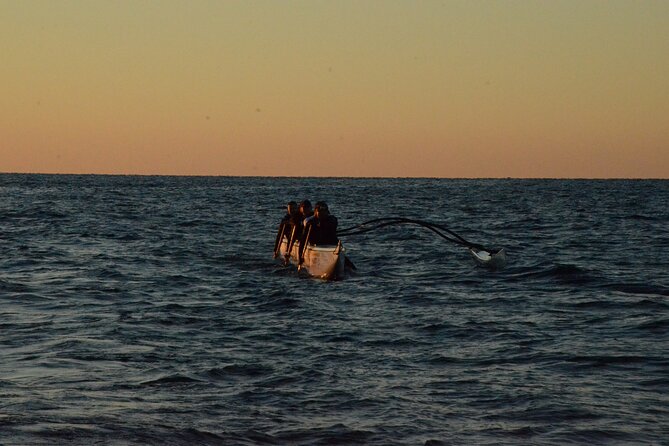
(303, 244)
(279, 238)
(349, 264)
(289, 246)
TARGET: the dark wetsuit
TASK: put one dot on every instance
(324, 231)
(319, 231)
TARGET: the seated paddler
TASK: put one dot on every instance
(320, 230)
(298, 222)
(285, 226)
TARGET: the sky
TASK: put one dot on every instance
(453, 89)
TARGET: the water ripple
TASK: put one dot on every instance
(148, 310)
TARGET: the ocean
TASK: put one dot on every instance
(149, 310)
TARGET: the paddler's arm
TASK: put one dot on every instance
(303, 242)
(279, 236)
(291, 243)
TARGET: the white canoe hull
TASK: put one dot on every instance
(325, 262)
(494, 260)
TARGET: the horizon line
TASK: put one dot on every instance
(327, 176)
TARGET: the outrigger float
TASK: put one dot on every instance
(329, 262)
(492, 260)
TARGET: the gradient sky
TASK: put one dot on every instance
(336, 88)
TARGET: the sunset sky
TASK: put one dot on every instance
(336, 88)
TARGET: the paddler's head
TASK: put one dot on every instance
(305, 208)
(292, 207)
(321, 209)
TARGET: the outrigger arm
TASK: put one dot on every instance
(490, 258)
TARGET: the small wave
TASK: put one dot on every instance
(12, 287)
(436, 327)
(110, 273)
(337, 339)
(34, 297)
(598, 436)
(607, 303)
(524, 432)
(4, 383)
(22, 263)
(571, 274)
(395, 342)
(433, 442)
(179, 321)
(604, 361)
(239, 370)
(36, 214)
(51, 432)
(564, 273)
(248, 438)
(443, 360)
(551, 413)
(192, 223)
(196, 436)
(128, 237)
(171, 380)
(172, 307)
(281, 303)
(659, 382)
(330, 435)
(638, 288)
(180, 280)
(640, 217)
(658, 326)
(279, 381)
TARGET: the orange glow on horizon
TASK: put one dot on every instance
(299, 88)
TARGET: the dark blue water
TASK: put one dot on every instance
(148, 310)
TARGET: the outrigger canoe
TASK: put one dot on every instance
(326, 262)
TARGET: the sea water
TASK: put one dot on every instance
(149, 310)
